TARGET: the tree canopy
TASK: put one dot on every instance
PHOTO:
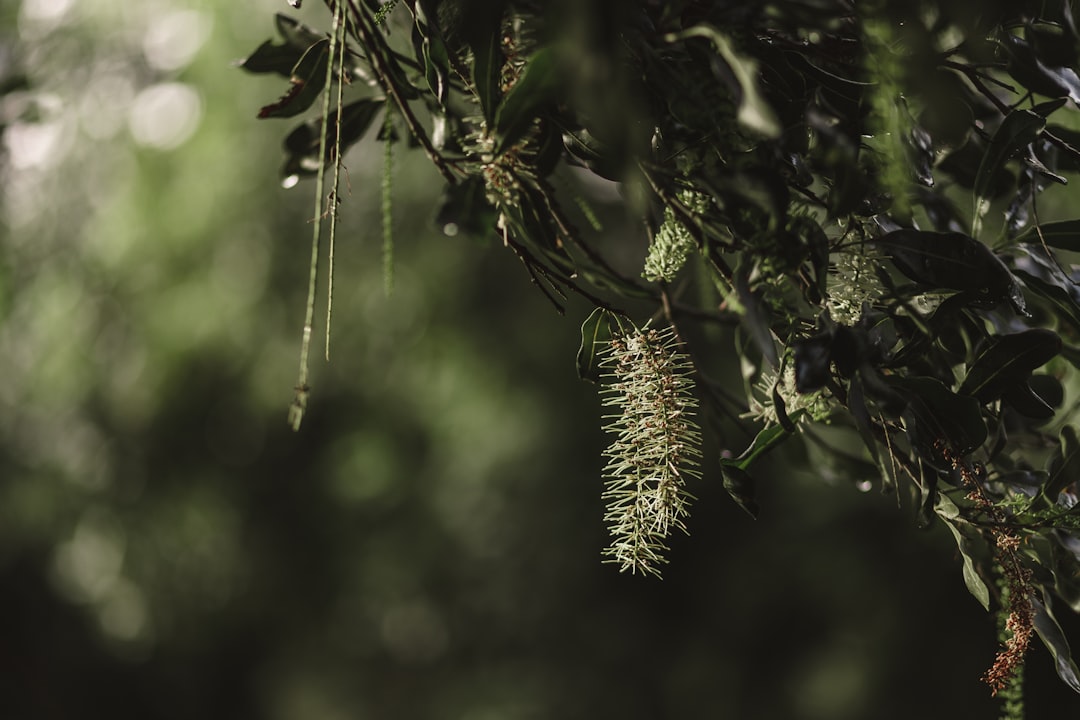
(845, 198)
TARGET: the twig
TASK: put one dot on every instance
(368, 37)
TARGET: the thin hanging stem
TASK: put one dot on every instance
(388, 203)
(299, 403)
(339, 37)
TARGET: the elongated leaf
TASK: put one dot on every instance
(302, 144)
(1024, 400)
(764, 441)
(281, 58)
(432, 52)
(812, 358)
(1064, 465)
(1046, 625)
(271, 57)
(753, 112)
(1064, 235)
(464, 208)
(1007, 361)
(945, 415)
(755, 317)
(740, 486)
(595, 331)
(308, 79)
(1036, 75)
(951, 260)
(861, 415)
(535, 88)
(975, 584)
(1043, 284)
(1018, 129)
(487, 61)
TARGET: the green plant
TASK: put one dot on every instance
(849, 193)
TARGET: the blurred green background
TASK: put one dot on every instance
(428, 546)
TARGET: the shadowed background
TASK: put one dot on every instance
(428, 546)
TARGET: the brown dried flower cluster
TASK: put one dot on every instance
(1020, 622)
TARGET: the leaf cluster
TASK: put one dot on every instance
(854, 189)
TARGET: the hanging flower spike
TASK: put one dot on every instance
(673, 243)
(656, 446)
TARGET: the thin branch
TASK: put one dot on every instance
(375, 47)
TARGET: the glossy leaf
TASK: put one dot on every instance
(861, 414)
(1017, 130)
(535, 88)
(951, 260)
(595, 332)
(464, 208)
(942, 415)
(1064, 235)
(755, 318)
(1024, 400)
(308, 79)
(1064, 465)
(753, 111)
(1038, 76)
(487, 61)
(766, 439)
(432, 52)
(1044, 282)
(281, 58)
(812, 358)
(740, 486)
(1008, 360)
(1046, 625)
(974, 582)
(302, 144)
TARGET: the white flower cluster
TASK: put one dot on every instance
(815, 404)
(673, 242)
(853, 283)
(655, 449)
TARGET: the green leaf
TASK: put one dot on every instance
(1037, 76)
(1046, 625)
(938, 414)
(302, 144)
(271, 57)
(1064, 235)
(755, 317)
(431, 51)
(754, 113)
(464, 208)
(535, 88)
(950, 260)
(766, 439)
(861, 414)
(1064, 466)
(1007, 361)
(595, 331)
(308, 79)
(1017, 130)
(591, 153)
(1024, 400)
(740, 486)
(281, 58)
(487, 63)
(974, 582)
(1043, 283)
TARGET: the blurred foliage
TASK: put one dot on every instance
(429, 545)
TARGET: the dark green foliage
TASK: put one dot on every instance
(860, 183)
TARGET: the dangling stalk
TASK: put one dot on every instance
(299, 403)
(339, 32)
(387, 203)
